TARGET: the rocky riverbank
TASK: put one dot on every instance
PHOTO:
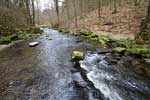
(121, 46)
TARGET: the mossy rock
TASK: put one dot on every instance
(94, 35)
(14, 37)
(143, 50)
(27, 36)
(77, 55)
(5, 40)
(119, 49)
(105, 38)
(85, 33)
(94, 39)
(124, 43)
(101, 41)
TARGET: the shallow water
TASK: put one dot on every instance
(39, 73)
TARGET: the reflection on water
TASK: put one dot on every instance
(41, 72)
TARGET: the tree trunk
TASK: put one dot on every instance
(145, 30)
(115, 7)
(29, 18)
(33, 13)
(57, 12)
(75, 13)
(146, 22)
(99, 9)
(67, 8)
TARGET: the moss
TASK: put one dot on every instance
(105, 38)
(87, 34)
(143, 50)
(119, 49)
(26, 36)
(124, 43)
(5, 40)
(77, 55)
(94, 35)
(101, 41)
(94, 39)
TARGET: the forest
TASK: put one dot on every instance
(74, 49)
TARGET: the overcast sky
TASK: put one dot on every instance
(46, 3)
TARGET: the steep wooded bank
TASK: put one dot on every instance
(16, 14)
(17, 20)
(116, 16)
(113, 17)
(145, 30)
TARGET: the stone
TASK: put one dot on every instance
(147, 60)
(32, 44)
(77, 55)
(49, 38)
(104, 51)
(78, 80)
(14, 37)
(119, 49)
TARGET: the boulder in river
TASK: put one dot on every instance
(32, 44)
(49, 38)
(77, 55)
(78, 80)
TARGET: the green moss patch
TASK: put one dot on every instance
(5, 40)
(143, 50)
(21, 36)
(119, 49)
(124, 43)
(77, 55)
(26, 36)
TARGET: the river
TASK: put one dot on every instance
(45, 72)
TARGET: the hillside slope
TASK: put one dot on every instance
(123, 23)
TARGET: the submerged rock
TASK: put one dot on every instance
(78, 80)
(32, 44)
(77, 55)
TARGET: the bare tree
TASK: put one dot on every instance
(146, 21)
(56, 2)
(75, 13)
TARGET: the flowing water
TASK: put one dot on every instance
(44, 72)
